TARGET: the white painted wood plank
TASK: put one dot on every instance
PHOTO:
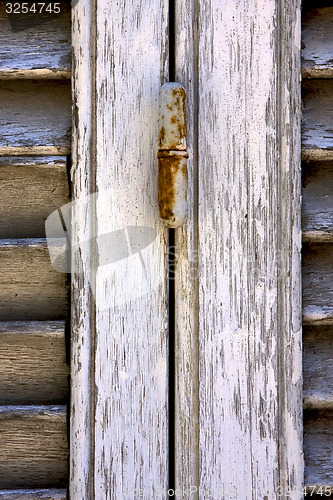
(82, 300)
(186, 274)
(35, 118)
(120, 444)
(34, 448)
(317, 133)
(33, 494)
(39, 46)
(33, 364)
(318, 367)
(318, 434)
(30, 288)
(31, 188)
(317, 43)
(248, 157)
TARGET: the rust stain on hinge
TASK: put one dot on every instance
(172, 155)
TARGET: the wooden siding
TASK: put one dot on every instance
(37, 50)
(33, 494)
(31, 188)
(34, 449)
(35, 120)
(317, 43)
(33, 363)
(35, 117)
(30, 288)
(318, 367)
(318, 435)
(317, 207)
(317, 139)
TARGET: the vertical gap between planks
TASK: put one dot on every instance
(171, 284)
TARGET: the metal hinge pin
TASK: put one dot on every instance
(172, 155)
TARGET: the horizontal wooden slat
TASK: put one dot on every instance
(33, 365)
(35, 117)
(318, 456)
(317, 198)
(317, 154)
(33, 494)
(31, 188)
(34, 448)
(318, 367)
(317, 43)
(317, 236)
(317, 130)
(30, 289)
(35, 45)
(318, 283)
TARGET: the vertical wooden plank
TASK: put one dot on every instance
(120, 329)
(186, 275)
(82, 303)
(243, 67)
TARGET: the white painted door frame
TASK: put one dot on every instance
(238, 411)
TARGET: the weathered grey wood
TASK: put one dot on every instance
(119, 330)
(317, 131)
(35, 117)
(317, 43)
(38, 49)
(317, 202)
(34, 449)
(317, 284)
(33, 495)
(242, 64)
(33, 364)
(30, 288)
(318, 457)
(31, 188)
(318, 367)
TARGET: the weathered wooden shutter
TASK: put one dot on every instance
(35, 120)
(237, 350)
(317, 224)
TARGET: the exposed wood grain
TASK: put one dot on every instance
(119, 374)
(318, 435)
(33, 450)
(317, 236)
(33, 365)
(318, 367)
(249, 281)
(317, 130)
(317, 155)
(33, 495)
(317, 43)
(35, 118)
(317, 283)
(31, 188)
(317, 202)
(317, 197)
(38, 47)
(30, 288)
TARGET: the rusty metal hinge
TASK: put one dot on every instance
(172, 155)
